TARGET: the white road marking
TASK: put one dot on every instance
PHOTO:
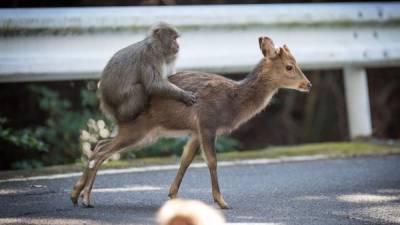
(173, 167)
(367, 198)
(130, 189)
(46, 221)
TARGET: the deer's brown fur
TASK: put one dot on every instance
(222, 106)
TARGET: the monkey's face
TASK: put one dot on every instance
(168, 38)
(174, 43)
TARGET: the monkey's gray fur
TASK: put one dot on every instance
(140, 70)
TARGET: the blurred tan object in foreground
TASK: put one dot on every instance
(188, 212)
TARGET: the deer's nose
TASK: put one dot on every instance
(309, 85)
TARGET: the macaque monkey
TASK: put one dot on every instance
(139, 71)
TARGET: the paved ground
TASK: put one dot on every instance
(350, 191)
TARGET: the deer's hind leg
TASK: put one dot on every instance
(80, 184)
(128, 136)
(76, 190)
(187, 157)
(119, 145)
(94, 164)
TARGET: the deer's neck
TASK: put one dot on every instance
(255, 92)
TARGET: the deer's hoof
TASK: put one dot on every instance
(172, 196)
(74, 201)
(222, 204)
(87, 205)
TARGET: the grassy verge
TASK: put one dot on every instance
(333, 149)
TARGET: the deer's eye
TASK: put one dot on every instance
(289, 67)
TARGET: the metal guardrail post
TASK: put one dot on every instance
(357, 101)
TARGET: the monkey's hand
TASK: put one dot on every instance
(190, 98)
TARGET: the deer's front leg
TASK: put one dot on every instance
(208, 145)
(187, 157)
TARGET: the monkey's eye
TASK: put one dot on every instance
(289, 67)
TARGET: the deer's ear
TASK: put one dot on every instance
(267, 47)
(286, 48)
(260, 42)
(278, 51)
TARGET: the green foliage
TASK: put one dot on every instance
(89, 98)
(62, 126)
(28, 143)
(27, 139)
(49, 100)
(226, 144)
(27, 164)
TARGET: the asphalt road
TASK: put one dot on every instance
(347, 191)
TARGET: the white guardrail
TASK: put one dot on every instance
(75, 43)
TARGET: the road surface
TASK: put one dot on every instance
(342, 191)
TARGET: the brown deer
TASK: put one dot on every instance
(223, 105)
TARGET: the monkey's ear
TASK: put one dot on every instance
(157, 32)
(267, 47)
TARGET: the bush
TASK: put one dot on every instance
(64, 120)
(57, 131)
(25, 138)
(28, 143)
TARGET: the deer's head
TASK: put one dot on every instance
(281, 67)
